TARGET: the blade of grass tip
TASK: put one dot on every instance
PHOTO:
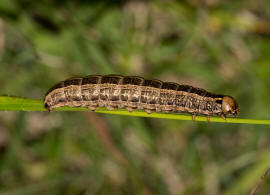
(8, 103)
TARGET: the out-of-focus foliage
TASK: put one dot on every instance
(222, 46)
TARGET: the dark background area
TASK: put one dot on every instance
(222, 46)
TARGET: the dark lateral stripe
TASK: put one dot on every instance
(92, 79)
(198, 91)
(133, 80)
(193, 90)
(169, 85)
(111, 79)
(152, 83)
(73, 81)
(184, 88)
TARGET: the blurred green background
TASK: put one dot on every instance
(222, 46)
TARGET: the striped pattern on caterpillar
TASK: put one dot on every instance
(133, 92)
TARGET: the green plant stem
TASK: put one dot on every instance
(24, 104)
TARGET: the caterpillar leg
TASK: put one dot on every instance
(223, 116)
(165, 111)
(110, 108)
(193, 117)
(148, 111)
(130, 109)
(92, 108)
(208, 119)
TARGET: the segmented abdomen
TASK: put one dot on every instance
(132, 92)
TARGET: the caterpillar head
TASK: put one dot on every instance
(230, 106)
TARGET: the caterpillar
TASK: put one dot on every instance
(133, 92)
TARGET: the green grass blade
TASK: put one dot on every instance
(24, 104)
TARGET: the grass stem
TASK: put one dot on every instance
(8, 103)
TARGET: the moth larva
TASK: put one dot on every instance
(133, 92)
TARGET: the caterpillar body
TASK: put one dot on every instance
(133, 92)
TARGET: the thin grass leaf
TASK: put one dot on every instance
(24, 104)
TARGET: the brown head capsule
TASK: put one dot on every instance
(230, 106)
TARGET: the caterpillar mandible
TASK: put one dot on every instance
(133, 92)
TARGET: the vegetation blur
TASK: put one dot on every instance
(222, 46)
